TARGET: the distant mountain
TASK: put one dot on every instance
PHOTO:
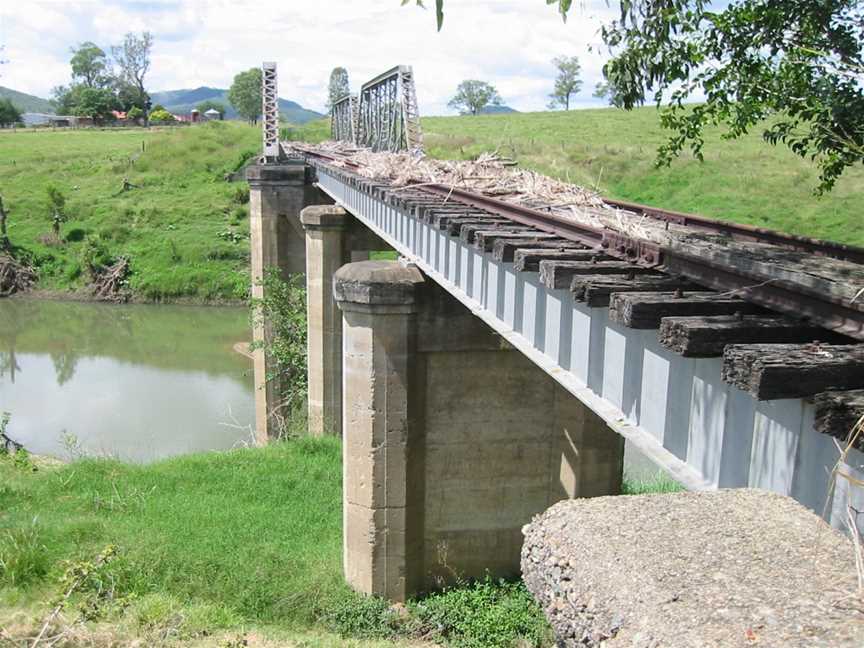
(25, 102)
(183, 101)
(496, 110)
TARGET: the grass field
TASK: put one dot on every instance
(184, 229)
(743, 180)
(218, 544)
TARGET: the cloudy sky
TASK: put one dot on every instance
(509, 43)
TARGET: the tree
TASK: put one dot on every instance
(607, 90)
(89, 65)
(98, 103)
(159, 114)
(473, 96)
(9, 114)
(134, 114)
(204, 106)
(339, 86)
(56, 209)
(245, 94)
(567, 82)
(133, 60)
(791, 69)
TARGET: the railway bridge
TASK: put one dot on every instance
(500, 363)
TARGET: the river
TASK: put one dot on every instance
(133, 382)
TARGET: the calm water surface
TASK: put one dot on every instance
(134, 382)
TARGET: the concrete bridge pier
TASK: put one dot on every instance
(452, 439)
(277, 194)
(333, 238)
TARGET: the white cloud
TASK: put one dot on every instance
(509, 43)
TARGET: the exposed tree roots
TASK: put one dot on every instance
(109, 284)
(15, 276)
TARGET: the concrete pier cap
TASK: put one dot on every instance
(377, 283)
(324, 217)
(259, 175)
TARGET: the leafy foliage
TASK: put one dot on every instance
(283, 310)
(490, 612)
(97, 103)
(338, 86)
(473, 96)
(133, 60)
(161, 115)
(797, 60)
(245, 94)
(89, 65)
(9, 114)
(567, 82)
(795, 65)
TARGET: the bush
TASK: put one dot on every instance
(284, 310)
(486, 613)
(241, 194)
(362, 617)
(94, 255)
(161, 115)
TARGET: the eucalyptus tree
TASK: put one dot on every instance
(473, 96)
(567, 82)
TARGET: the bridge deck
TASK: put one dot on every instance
(677, 410)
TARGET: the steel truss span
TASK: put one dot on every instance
(344, 115)
(389, 119)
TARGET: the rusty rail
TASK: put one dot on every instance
(827, 311)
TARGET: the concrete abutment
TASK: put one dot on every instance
(452, 439)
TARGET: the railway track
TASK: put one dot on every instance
(791, 287)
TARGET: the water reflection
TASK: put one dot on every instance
(133, 382)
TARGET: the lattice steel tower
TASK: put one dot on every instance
(272, 152)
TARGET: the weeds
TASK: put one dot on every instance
(482, 614)
(23, 556)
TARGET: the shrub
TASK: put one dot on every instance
(485, 613)
(241, 194)
(361, 617)
(161, 115)
(284, 310)
(95, 256)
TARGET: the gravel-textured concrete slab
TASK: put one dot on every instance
(720, 569)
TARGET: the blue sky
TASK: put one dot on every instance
(509, 43)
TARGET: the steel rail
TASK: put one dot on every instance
(745, 232)
(828, 311)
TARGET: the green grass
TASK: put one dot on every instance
(218, 543)
(658, 483)
(255, 532)
(184, 229)
(746, 180)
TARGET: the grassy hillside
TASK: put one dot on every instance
(744, 180)
(184, 229)
(25, 102)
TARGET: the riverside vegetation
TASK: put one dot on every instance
(218, 547)
(158, 198)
